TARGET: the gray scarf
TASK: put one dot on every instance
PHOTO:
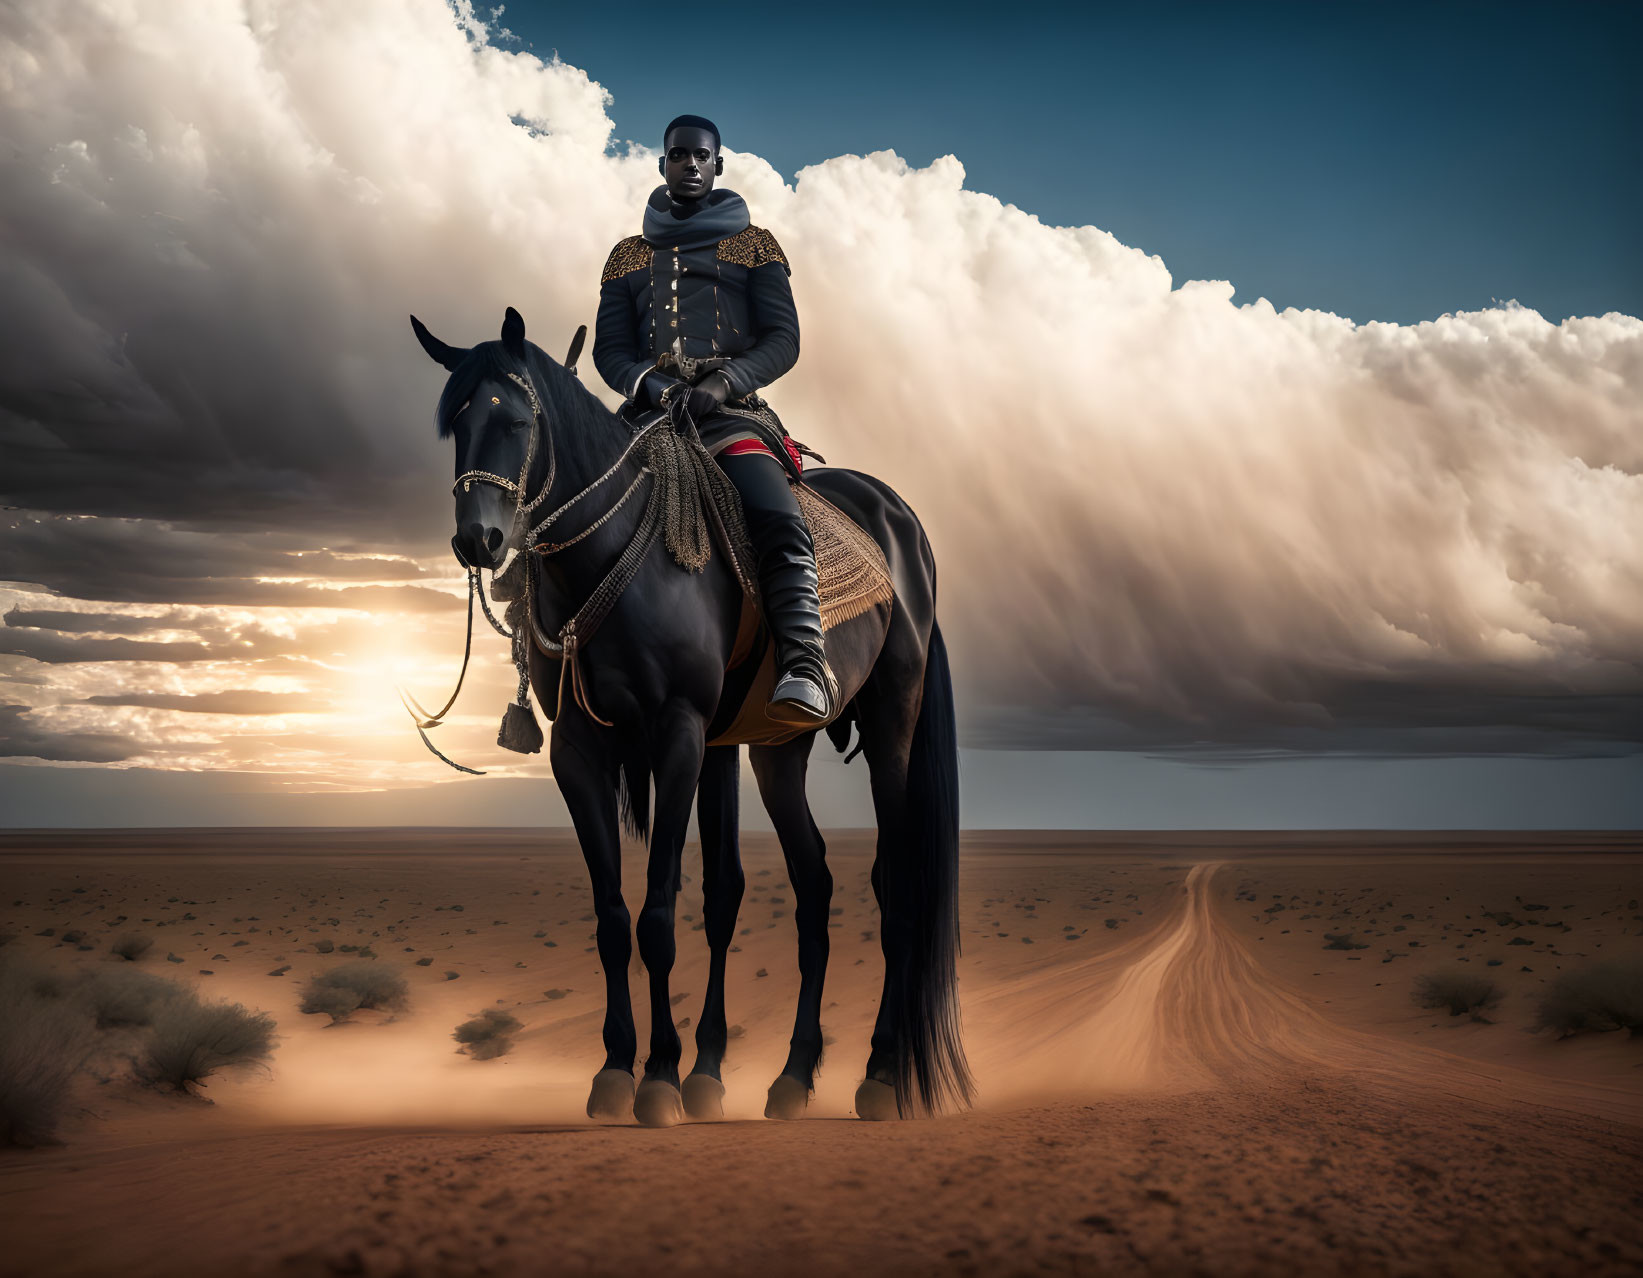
(690, 224)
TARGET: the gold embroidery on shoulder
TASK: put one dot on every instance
(753, 247)
(631, 254)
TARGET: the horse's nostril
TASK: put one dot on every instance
(493, 540)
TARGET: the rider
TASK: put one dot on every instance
(699, 305)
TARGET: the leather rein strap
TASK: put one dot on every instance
(567, 644)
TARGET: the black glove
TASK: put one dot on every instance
(708, 395)
(651, 386)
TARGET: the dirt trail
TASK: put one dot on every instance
(1186, 1007)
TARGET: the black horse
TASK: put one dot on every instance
(530, 437)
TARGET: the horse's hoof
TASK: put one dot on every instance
(656, 1104)
(704, 1097)
(876, 1101)
(787, 1100)
(612, 1095)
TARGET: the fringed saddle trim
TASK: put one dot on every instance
(853, 574)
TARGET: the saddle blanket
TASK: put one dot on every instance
(853, 578)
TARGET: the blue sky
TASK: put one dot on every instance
(1386, 162)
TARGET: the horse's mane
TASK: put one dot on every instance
(564, 396)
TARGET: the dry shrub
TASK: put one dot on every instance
(347, 988)
(47, 1039)
(487, 1035)
(44, 982)
(1594, 999)
(120, 997)
(132, 946)
(1458, 993)
(190, 1040)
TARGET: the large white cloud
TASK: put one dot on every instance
(1160, 515)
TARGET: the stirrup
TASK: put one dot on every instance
(800, 697)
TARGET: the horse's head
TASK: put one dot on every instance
(490, 406)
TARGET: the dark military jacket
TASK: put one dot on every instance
(731, 299)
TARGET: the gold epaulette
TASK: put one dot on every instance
(753, 247)
(631, 254)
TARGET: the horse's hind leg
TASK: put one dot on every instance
(676, 764)
(780, 771)
(587, 778)
(886, 726)
(717, 801)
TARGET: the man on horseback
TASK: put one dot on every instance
(699, 308)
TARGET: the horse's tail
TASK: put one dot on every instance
(921, 895)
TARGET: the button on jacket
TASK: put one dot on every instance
(731, 299)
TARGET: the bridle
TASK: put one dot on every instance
(581, 625)
(539, 425)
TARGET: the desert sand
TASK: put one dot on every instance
(1175, 1075)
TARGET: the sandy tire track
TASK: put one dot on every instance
(1187, 1007)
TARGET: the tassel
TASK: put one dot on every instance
(519, 731)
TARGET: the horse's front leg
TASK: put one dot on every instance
(718, 822)
(676, 764)
(586, 774)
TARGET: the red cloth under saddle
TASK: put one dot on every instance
(758, 446)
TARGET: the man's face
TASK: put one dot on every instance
(688, 163)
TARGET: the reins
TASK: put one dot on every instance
(420, 717)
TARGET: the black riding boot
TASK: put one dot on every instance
(806, 690)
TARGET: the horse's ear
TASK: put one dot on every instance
(449, 356)
(513, 333)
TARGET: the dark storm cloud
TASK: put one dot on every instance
(53, 649)
(366, 567)
(234, 701)
(20, 738)
(145, 562)
(212, 643)
(1366, 721)
(176, 403)
(133, 560)
(390, 599)
(79, 623)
